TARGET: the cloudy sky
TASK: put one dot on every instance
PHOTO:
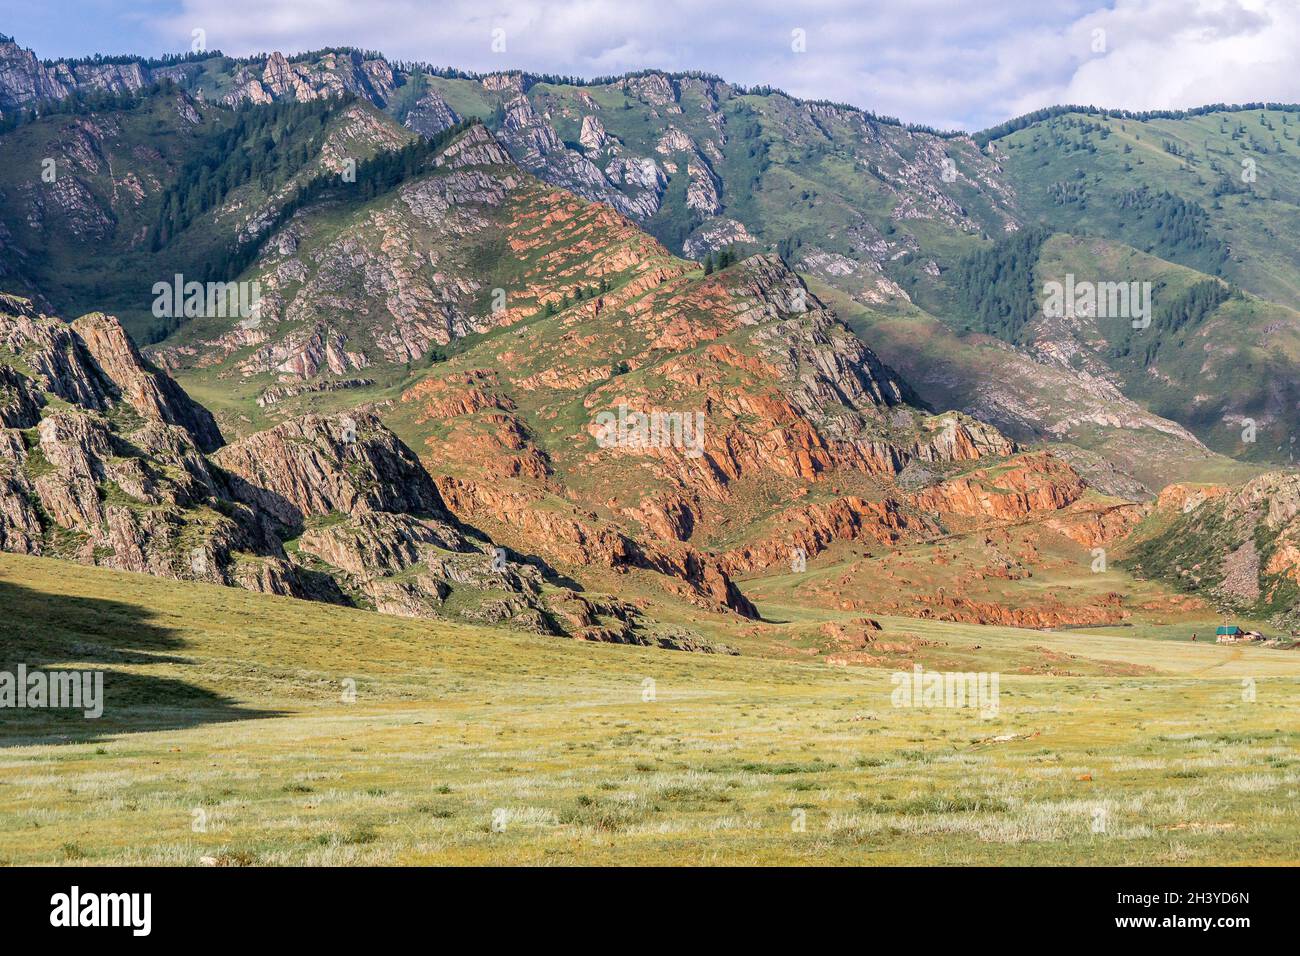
(949, 63)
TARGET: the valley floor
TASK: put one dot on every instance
(227, 740)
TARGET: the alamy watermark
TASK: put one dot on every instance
(1102, 300)
(207, 300)
(924, 689)
(133, 911)
(627, 429)
(55, 690)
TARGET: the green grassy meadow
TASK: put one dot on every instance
(227, 740)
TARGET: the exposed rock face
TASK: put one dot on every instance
(477, 147)
(577, 540)
(273, 396)
(380, 542)
(593, 135)
(431, 115)
(25, 81)
(333, 74)
(717, 233)
(674, 140)
(20, 524)
(514, 82)
(281, 80)
(316, 466)
(152, 394)
(1096, 527)
(407, 256)
(1238, 548)
(808, 530)
(643, 181)
(536, 146)
(653, 88)
(116, 475)
(1032, 483)
(1029, 486)
(20, 403)
(955, 437)
(360, 505)
(92, 363)
(702, 193)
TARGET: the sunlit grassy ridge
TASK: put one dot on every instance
(1241, 169)
(469, 745)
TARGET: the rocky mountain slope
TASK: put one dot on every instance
(701, 163)
(1122, 447)
(1209, 358)
(792, 433)
(704, 163)
(510, 299)
(884, 213)
(1237, 547)
(105, 461)
(100, 203)
(26, 82)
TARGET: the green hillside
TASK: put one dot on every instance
(160, 184)
(1115, 442)
(1214, 358)
(1218, 191)
(1233, 546)
(810, 179)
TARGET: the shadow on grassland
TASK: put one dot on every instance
(59, 632)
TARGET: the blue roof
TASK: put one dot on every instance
(1228, 629)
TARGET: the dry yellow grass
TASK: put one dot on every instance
(227, 737)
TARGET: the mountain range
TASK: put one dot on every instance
(475, 293)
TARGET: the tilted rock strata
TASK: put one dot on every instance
(101, 462)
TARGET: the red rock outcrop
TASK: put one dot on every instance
(1026, 485)
(573, 540)
(812, 528)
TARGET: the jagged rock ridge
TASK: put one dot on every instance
(103, 461)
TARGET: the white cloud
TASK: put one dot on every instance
(1169, 54)
(942, 62)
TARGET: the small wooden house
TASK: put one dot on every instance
(1232, 634)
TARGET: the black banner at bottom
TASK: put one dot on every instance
(332, 905)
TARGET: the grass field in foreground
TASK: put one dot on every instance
(225, 737)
